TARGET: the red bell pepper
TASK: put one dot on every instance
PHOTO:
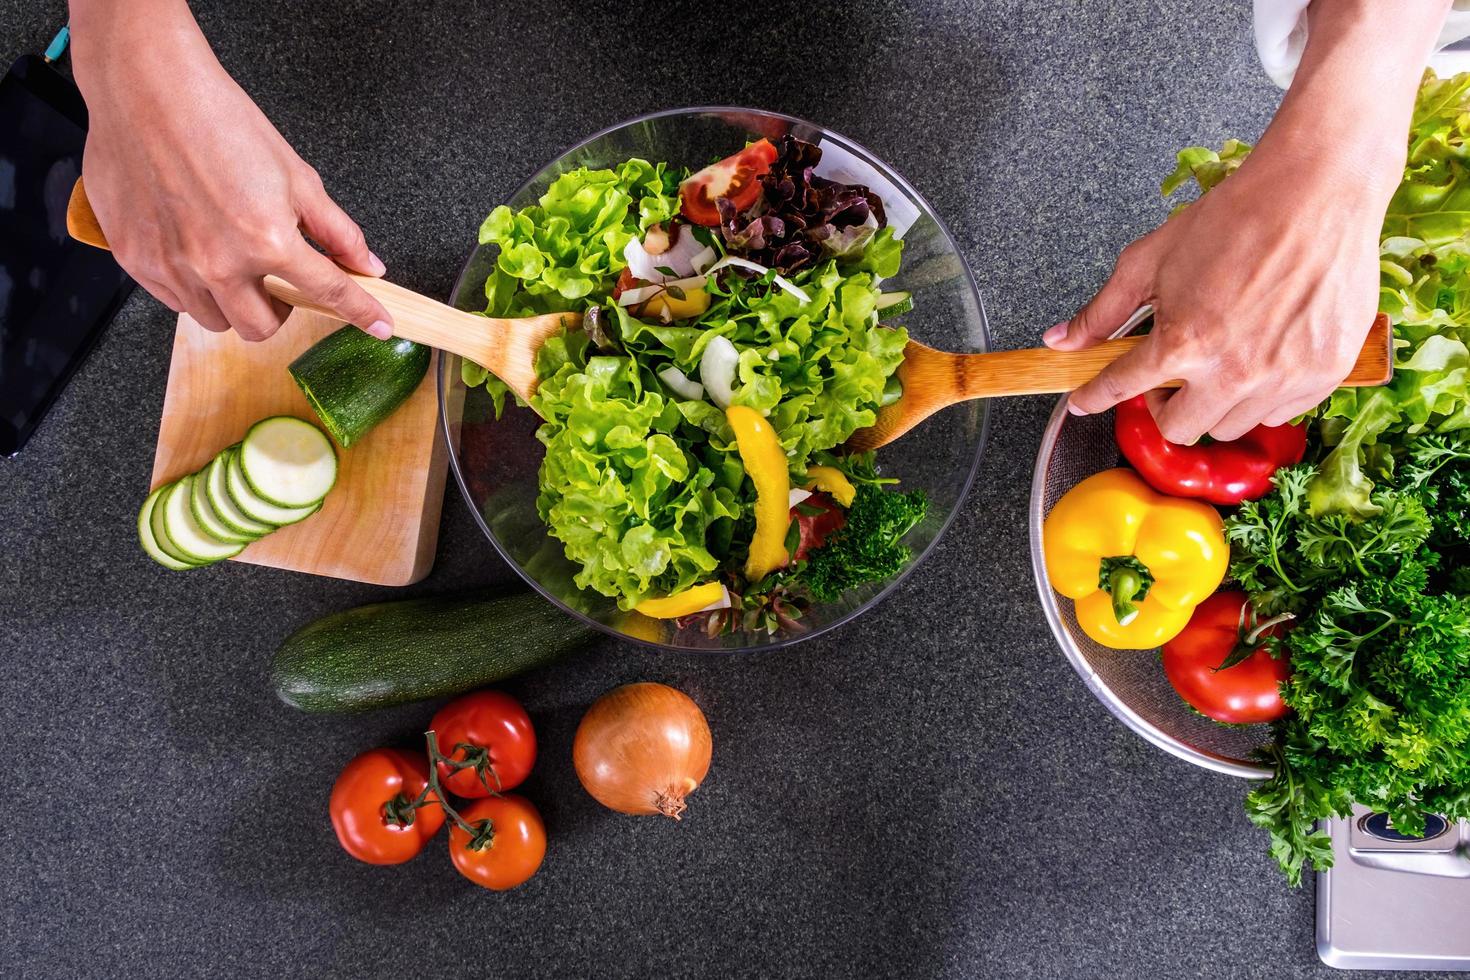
(1223, 473)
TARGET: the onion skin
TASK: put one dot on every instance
(642, 748)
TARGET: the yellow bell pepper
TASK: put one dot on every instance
(765, 464)
(1134, 561)
(832, 481)
(694, 303)
(682, 603)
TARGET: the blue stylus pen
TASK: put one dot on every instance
(57, 47)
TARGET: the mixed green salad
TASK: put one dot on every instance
(1367, 542)
(731, 343)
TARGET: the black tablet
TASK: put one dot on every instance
(56, 294)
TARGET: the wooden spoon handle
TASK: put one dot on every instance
(1042, 371)
(415, 317)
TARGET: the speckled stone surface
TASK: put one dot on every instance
(930, 792)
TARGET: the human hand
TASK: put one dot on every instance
(1263, 293)
(1264, 290)
(199, 196)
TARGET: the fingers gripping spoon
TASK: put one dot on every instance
(504, 347)
(933, 379)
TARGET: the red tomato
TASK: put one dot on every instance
(815, 528)
(736, 177)
(1244, 693)
(516, 846)
(367, 784)
(626, 281)
(498, 731)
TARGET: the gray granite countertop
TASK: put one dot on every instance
(930, 792)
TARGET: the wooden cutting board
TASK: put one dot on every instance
(380, 523)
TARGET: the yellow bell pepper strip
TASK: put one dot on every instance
(682, 603)
(690, 303)
(831, 481)
(765, 464)
(1134, 561)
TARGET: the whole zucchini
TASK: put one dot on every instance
(354, 381)
(396, 652)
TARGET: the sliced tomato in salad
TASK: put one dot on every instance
(736, 177)
(626, 281)
(817, 517)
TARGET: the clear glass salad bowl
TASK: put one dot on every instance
(495, 462)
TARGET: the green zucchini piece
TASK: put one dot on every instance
(354, 381)
(149, 541)
(409, 650)
(207, 517)
(225, 508)
(896, 303)
(194, 541)
(255, 508)
(160, 531)
(287, 462)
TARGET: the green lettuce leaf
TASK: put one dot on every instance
(1205, 166)
(1433, 202)
(566, 250)
(629, 505)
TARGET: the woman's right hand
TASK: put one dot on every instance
(199, 196)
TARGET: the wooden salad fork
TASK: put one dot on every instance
(935, 379)
(504, 347)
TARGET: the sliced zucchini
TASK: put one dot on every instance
(186, 534)
(223, 504)
(149, 541)
(252, 505)
(160, 532)
(896, 303)
(206, 516)
(288, 462)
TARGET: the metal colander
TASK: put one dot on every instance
(1131, 683)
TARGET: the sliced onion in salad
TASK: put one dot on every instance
(679, 257)
(703, 259)
(758, 269)
(681, 384)
(717, 368)
(642, 294)
(796, 496)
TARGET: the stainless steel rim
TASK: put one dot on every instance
(1095, 684)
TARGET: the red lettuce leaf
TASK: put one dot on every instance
(801, 217)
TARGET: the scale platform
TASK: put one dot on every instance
(1391, 902)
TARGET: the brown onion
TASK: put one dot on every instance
(642, 748)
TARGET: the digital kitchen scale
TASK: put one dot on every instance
(1391, 902)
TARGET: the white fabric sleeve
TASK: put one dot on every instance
(1281, 34)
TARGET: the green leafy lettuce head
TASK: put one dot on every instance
(629, 505)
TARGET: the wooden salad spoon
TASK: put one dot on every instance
(935, 379)
(504, 347)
